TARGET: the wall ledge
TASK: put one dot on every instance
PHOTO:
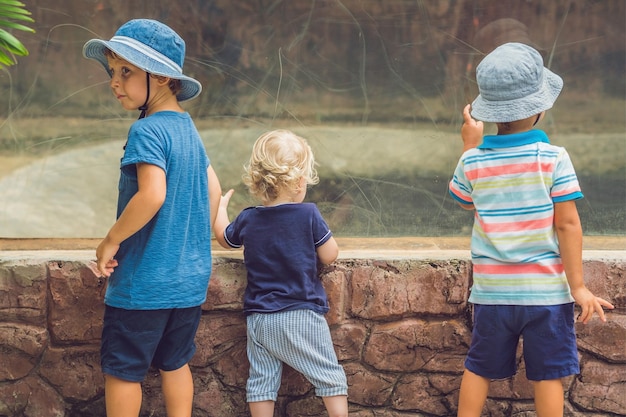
(393, 248)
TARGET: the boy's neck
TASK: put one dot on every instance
(518, 126)
(163, 100)
(286, 196)
(285, 199)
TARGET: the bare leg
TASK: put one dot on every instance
(473, 394)
(262, 408)
(177, 387)
(549, 398)
(336, 406)
(122, 398)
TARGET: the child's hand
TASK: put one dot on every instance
(104, 253)
(589, 304)
(221, 220)
(471, 131)
(224, 200)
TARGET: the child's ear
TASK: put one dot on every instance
(539, 117)
(161, 80)
(301, 184)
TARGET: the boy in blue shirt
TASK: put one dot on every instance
(157, 255)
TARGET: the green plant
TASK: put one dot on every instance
(10, 46)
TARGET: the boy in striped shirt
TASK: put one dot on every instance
(527, 238)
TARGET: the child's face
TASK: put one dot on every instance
(128, 83)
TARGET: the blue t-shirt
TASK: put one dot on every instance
(166, 264)
(280, 256)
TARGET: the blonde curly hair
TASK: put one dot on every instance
(279, 160)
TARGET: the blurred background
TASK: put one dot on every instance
(377, 88)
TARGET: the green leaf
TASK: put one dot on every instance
(16, 26)
(16, 17)
(10, 43)
(5, 60)
(11, 11)
(6, 10)
(12, 3)
(14, 10)
(15, 3)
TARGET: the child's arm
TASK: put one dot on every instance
(471, 131)
(328, 252)
(215, 193)
(570, 235)
(472, 135)
(222, 221)
(138, 212)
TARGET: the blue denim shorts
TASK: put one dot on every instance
(548, 335)
(133, 340)
(299, 338)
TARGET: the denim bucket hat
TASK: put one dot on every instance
(513, 85)
(151, 46)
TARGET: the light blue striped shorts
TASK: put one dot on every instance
(299, 338)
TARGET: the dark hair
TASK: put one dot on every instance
(175, 86)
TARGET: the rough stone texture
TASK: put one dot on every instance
(401, 329)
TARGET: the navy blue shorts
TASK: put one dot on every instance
(133, 340)
(549, 341)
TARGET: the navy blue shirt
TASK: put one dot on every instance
(280, 256)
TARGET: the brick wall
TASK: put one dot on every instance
(401, 328)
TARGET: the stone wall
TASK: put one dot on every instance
(401, 328)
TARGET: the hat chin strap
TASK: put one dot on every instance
(144, 106)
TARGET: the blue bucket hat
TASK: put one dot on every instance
(151, 46)
(513, 85)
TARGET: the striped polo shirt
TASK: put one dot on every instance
(513, 182)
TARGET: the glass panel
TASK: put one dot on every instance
(377, 87)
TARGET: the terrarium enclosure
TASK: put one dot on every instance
(377, 88)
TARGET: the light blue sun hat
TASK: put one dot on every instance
(151, 46)
(513, 85)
